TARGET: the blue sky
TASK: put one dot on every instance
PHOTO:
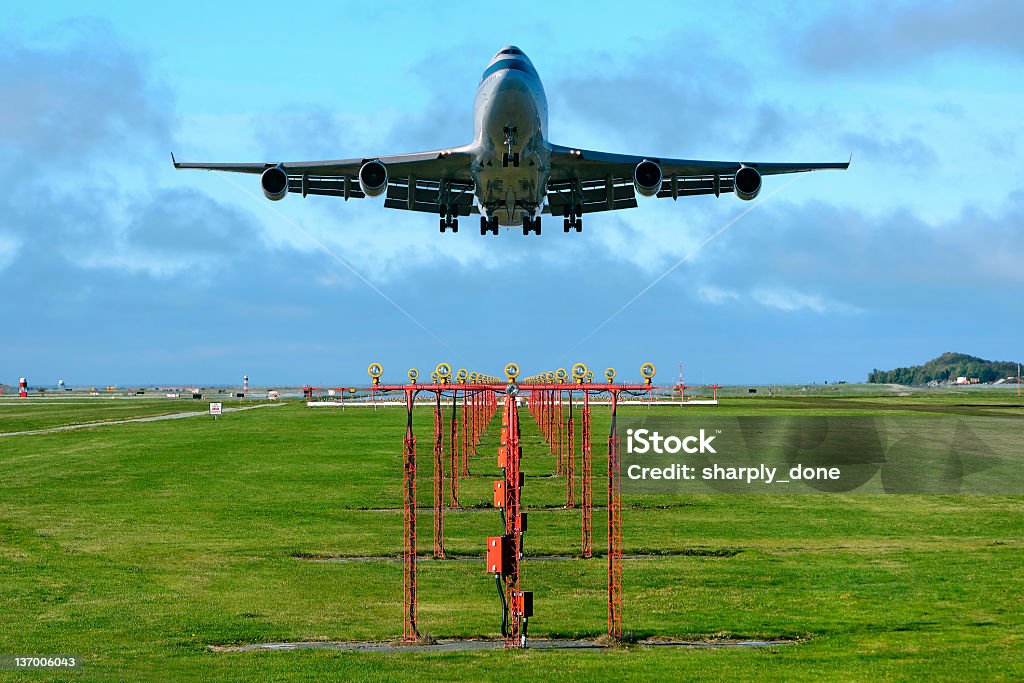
(114, 268)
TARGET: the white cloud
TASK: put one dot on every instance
(784, 299)
(716, 295)
(9, 247)
(791, 300)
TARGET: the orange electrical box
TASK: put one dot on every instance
(522, 603)
(499, 494)
(503, 455)
(499, 554)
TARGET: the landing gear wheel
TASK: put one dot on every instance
(455, 225)
(483, 226)
(515, 159)
(444, 224)
(579, 225)
(504, 159)
(566, 225)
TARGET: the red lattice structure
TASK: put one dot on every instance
(505, 553)
(614, 555)
(614, 527)
(570, 460)
(438, 480)
(453, 452)
(466, 437)
(485, 405)
(409, 633)
(515, 635)
(586, 481)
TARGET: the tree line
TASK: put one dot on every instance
(946, 367)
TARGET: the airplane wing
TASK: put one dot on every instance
(423, 181)
(602, 181)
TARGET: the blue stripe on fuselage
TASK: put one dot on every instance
(517, 64)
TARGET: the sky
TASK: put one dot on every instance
(117, 269)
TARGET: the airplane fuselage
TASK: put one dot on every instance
(510, 166)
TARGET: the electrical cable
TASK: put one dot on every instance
(504, 606)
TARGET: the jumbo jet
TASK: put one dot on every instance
(510, 174)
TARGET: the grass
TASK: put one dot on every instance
(138, 546)
(33, 413)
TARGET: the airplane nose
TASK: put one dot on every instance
(513, 81)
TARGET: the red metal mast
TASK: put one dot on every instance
(614, 528)
(453, 451)
(438, 479)
(586, 487)
(410, 634)
(570, 459)
(515, 636)
(464, 449)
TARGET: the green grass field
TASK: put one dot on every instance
(138, 546)
(28, 414)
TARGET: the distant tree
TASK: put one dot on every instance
(948, 366)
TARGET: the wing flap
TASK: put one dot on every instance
(430, 194)
(690, 186)
(592, 194)
(330, 186)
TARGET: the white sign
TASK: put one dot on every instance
(215, 409)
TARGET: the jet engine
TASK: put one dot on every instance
(274, 182)
(747, 183)
(647, 178)
(373, 178)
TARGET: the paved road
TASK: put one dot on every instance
(152, 418)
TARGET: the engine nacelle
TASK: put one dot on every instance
(747, 183)
(373, 178)
(274, 182)
(647, 178)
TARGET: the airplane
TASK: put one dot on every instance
(510, 174)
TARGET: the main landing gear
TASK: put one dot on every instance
(449, 219)
(573, 219)
(531, 224)
(488, 225)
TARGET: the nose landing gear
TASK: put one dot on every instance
(509, 158)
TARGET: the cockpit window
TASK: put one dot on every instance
(511, 51)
